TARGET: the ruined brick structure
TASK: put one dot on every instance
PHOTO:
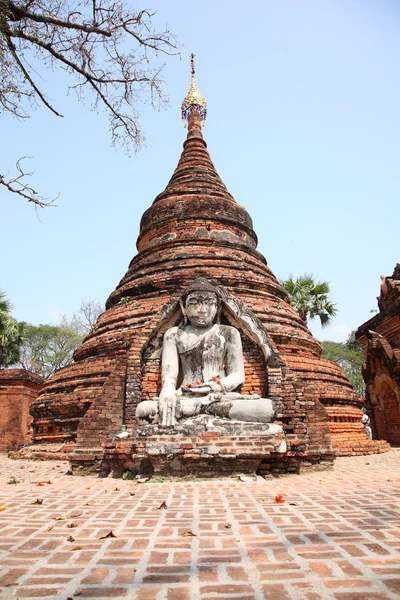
(380, 338)
(196, 228)
(18, 389)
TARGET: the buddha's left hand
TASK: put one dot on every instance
(214, 386)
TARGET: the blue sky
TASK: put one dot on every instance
(303, 127)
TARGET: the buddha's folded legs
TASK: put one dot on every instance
(262, 410)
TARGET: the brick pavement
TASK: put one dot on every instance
(337, 536)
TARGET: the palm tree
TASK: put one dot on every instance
(12, 334)
(310, 298)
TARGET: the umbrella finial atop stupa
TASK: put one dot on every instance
(194, 102)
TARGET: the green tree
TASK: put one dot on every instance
(347, 355)
(310, 298)
(48, 348)
(107, 50)
(11, 334)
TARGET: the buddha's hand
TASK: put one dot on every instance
(168, 409)
(214, 385)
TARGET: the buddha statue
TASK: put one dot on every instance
(210, 357)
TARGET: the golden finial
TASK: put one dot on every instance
(194, 99)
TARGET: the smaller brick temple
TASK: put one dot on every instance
(380, 338)
(18, 389)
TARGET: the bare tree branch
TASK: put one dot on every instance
(105, 45)
(18, 186)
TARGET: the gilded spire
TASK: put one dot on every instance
(194, 99)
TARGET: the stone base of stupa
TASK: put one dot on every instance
(56, 451)
(198, 449)
(347, 433)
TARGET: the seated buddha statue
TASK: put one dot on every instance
(210, 356)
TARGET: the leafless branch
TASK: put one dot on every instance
(89, 40)
(17, 185)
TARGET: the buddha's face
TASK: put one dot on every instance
(201, 308)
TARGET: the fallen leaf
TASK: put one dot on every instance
(108, 535)
(84, 504)
(293, 503)
(189, 534)
(61, 518)
(79, 547)
(2, 507)
(279, 499)
(70, 539)
(163, 505)
(131, 493)
(228, 525)
(40, 483)
(78, 594)
(88, 487)
(50, 528)
(115, 489)
(38, 501)
(49, 482)
(71, 525)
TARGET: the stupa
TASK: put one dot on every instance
(195, 228)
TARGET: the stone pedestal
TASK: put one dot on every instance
(187, 449)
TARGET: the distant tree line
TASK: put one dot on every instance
(43, 349)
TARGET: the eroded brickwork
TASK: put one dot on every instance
(18, 389)
(380, 338)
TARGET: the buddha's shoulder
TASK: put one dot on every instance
(171, 333)
(228, 331)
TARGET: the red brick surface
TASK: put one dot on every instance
(18, 389)
(336, 536)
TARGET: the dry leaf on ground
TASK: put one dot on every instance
(189, 534)
(79, 547)
(163, 505)
(38, 501)
(70, 539)
(71, 525)
(108, 535)
(279, 499)
(3, 507)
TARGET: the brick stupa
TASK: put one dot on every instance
(196, 228)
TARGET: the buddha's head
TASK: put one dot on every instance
(201, 303)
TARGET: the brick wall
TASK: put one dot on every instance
(380, 338)
(18, 389)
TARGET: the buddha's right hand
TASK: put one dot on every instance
(167, 409)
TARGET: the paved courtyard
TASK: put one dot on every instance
(336, 536)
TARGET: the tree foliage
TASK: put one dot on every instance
(106, 48)
(48, 348)
(85, 319)
(349, 357)
(11, 334)
(310, 298)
